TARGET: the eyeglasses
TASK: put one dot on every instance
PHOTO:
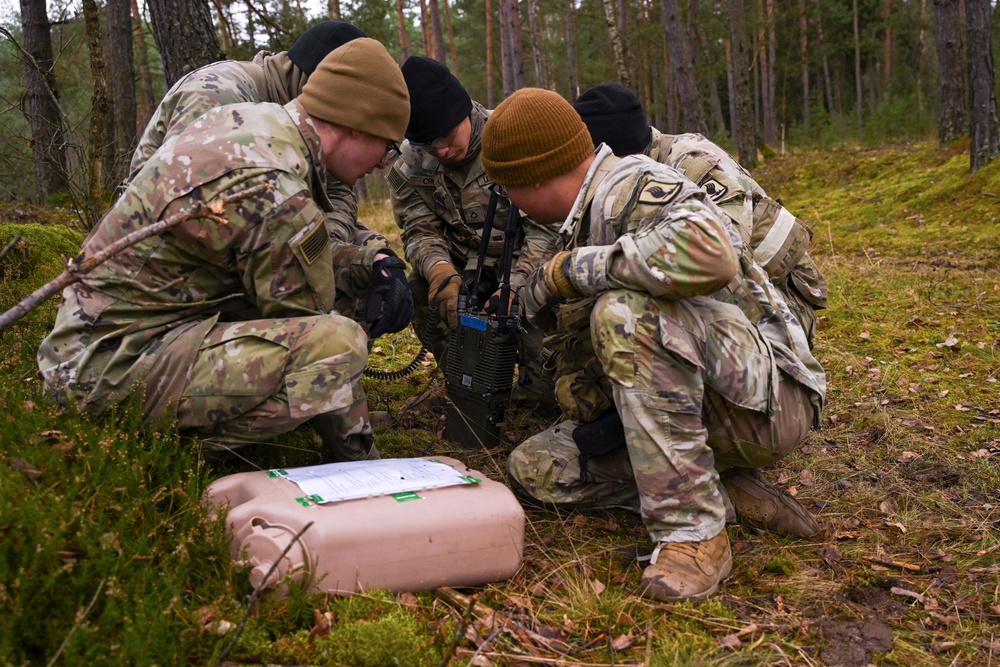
(440, 142)
(391, 153)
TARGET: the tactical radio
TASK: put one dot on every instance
(483, 350)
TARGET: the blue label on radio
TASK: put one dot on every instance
(473, 322)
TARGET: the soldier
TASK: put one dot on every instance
(614, 116)
(702, 360)
(440, 199)
(227, 327)
(279, 78)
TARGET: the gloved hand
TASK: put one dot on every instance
(549, 285)
(492, 305)
(389, 306)
(444, 284)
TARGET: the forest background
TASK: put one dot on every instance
(875, 135)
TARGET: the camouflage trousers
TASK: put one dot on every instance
(698, 392)
(534, 383)
(251, 381)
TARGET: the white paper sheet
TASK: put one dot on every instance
(333, 482)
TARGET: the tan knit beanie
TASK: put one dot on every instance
(534, 135)
(359, 86)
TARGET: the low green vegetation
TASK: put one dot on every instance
(107, 556)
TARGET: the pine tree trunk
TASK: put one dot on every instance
(513, 52)
(536, 47)
(827, 80)
(225, 32)
(436, 32)
(952, 92)
(404, 40)
(148, 99)
(889, 36)
(98, 114)
(743, 127)
(857, 65)
(451, 40)
(682, 68)
(771, 107)
(984, 138)
(185, 36)
(122, 94)
(804, 60)
(611, 18)
(48, 137)
(709, 79)
(574, 88)
(426, 29)
(333, 9)
(489, 55)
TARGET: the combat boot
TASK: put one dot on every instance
(687, 570)
(760, 504)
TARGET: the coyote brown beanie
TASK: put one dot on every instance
(438, 100)
(532, 136)
(359, 86)
(313, 45)
(614, 116)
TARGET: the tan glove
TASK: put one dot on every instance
(444, 283)
(549, 286)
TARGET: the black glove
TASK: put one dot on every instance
(601, 436)
(390, 303)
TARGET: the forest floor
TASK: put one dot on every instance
(108, 557)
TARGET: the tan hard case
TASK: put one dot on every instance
(453, 536)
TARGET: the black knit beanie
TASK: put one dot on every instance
(315, 43)
(438, 101)
(614, 116)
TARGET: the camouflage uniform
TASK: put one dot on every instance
(441, 211)
(706, 369)
(268, 78)
(224, 326)
(745, 202)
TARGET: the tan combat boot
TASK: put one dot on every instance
(687, 570)
(762, 505)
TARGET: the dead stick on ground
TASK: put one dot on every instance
(77, 267)
(79, 620)
(892, 563)
(256, 594)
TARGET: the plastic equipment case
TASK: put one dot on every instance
(462, 535)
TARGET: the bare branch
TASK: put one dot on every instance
(79, 265)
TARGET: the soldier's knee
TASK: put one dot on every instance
(336, 336)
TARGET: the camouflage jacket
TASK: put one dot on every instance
(644, 226)
(268, 78)
(271, 258)
(442, 210)
(732, 188)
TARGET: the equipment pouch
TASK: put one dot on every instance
(597, 438)
(779, 239)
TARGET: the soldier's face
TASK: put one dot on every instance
(538, 202)
(357, 154)
(452, 147)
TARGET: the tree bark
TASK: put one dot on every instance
(404, 40)
(984, 138)
(333, 9)
(952, 93)
(715, 103)
(804, 60)
(857, 64)
(513, 53)
(122, 94)
(489, 55)
(771, 110)
(148, 101)
(98, 114)
(682, 68)
(743, 127)
(889, 37)
(433, 9)
(611, 18)
(536, 46)
(827, 80)
(451, 40)
(574, 87)
(425, 29)
(48, 137)
(185, 36)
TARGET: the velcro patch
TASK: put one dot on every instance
(396, 179)
(715, 189)
(659, 193)
(314, 243)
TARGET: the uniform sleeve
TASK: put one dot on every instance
(423, 238)
(286, 262)
(671, 250)
(538, 245)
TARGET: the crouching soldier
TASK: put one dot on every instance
(697, 353)
(225, 323)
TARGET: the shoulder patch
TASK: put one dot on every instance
(715, 189)
(396, 179)
(314, 243)
(659, 192)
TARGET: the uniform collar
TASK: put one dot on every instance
(604, 162)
